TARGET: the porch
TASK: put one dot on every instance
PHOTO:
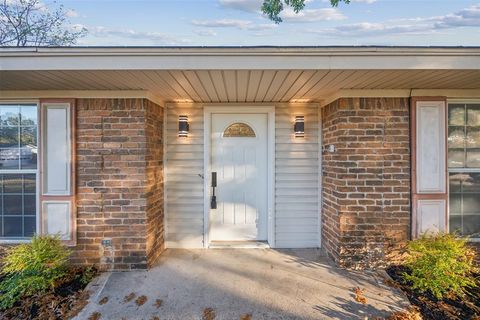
(262, 283)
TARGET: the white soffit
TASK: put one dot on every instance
(238, 74)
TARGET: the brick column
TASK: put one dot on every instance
(366, 181)
(120, 179)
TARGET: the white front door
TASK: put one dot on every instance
(239, 157)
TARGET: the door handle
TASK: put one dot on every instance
(213, 201)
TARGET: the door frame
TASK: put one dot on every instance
(239, 109)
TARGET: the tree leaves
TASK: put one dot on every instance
(273, 8)
(31, 23)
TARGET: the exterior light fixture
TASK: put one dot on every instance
(183, 126)
(299, 127)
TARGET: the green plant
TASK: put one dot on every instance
(32, 267)
(441, 264)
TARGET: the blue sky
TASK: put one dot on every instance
(239, 22)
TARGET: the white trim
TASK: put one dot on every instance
(165, 181)
(272, 58)
(13, 95)
(227, 108)
(320, 176)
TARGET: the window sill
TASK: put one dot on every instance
(14, 241)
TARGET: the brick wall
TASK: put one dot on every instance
(118, 160)
(154, 187)
(366, 181)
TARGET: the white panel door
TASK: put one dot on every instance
(239, 156)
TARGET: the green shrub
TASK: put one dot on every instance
(441, 264)
(31, 268)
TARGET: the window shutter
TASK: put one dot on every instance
(57, 169)
(429, 166)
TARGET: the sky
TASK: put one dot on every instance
(240, 23)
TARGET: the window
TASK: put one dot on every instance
(464, 168)
(18, 170)
(239, 130)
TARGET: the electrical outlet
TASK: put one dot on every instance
(107, 242)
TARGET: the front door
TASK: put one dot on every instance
(239, 157)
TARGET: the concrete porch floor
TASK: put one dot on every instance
(263, 283)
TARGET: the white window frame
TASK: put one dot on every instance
(26, 171)
(453, 170)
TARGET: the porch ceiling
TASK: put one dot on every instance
(239, 85)
(239, 74)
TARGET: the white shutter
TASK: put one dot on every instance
(429, 171)
(57, 170)
(431, 216)
(431, 152)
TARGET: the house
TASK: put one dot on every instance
(126, 151)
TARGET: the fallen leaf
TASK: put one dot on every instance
(246, 316)
(95, 316)
(154, 318)
(141, 300)
(158, 303)
(129, 297)
(208, 314)
(359, 295)
(103, 301)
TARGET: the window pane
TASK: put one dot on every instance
(9, 142)
(9, 115)
(473, 158)
(18, 205)
(473, 114)
(29, 183)
(12, 205)
(456, 114)
(464, 203)
(29, 204)
(473, 137)
(28, 147)
(456, 137)
(12, 183)
(13, 227)
(29, 226)
(28, 115)
(456, 158)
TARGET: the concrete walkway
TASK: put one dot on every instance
(243, 284)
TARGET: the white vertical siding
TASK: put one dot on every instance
(184, 184)
(296, 178)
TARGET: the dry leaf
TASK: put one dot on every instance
(411, 314)
(95, 316)
(129, 297)
(246, 316)
(208, 314)
(158, 303)
(141, 300)
(103, 301)
(359, 295)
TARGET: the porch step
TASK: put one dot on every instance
(239, 245)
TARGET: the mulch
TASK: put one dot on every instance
(431, 308)
(63, 302)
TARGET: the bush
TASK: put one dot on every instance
(440, 264)
(31, 268)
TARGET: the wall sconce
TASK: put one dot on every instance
(183, 126)
(299, 127)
